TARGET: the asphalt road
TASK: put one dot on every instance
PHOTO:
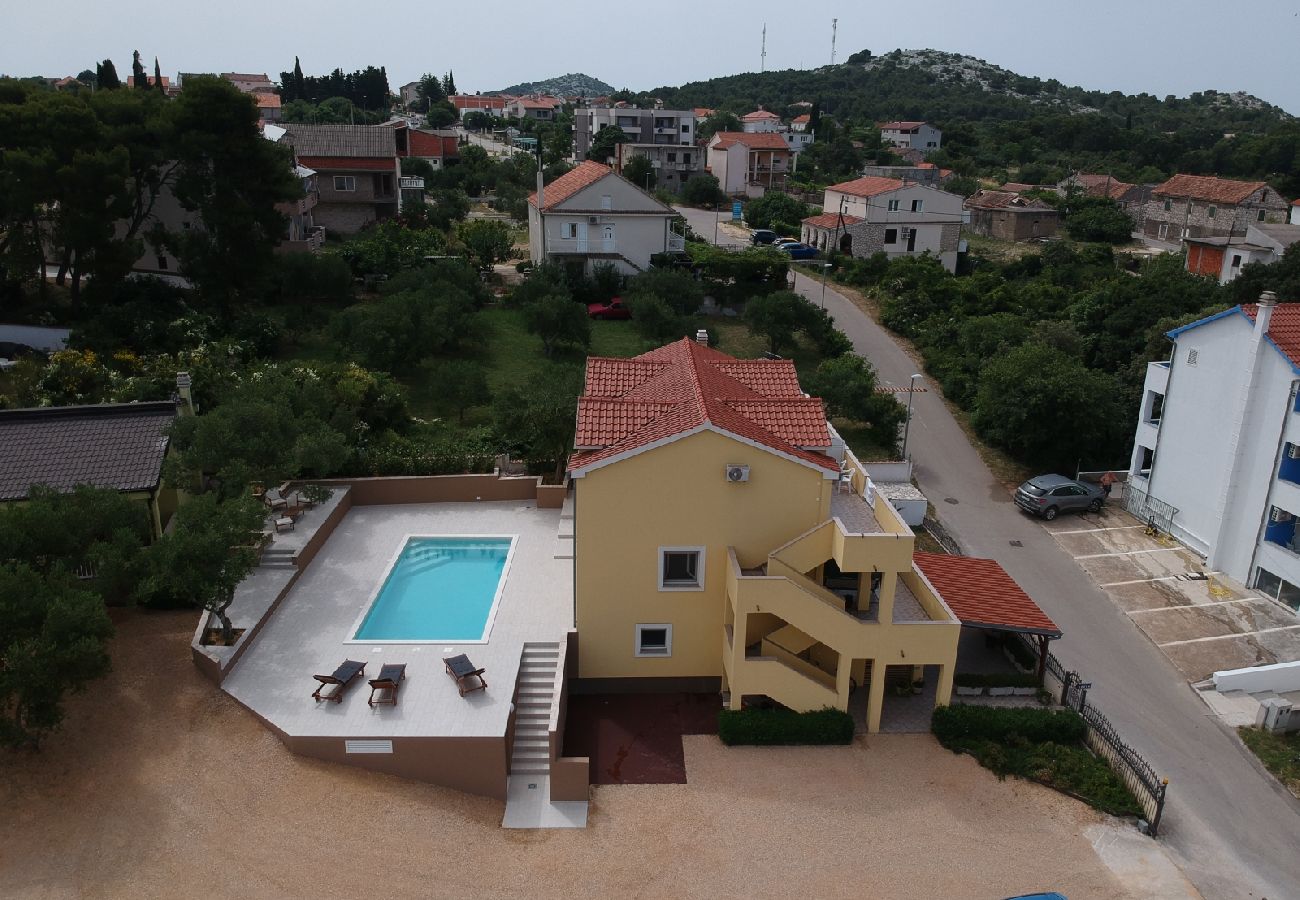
(1234, 831)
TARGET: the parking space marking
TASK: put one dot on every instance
(1091, 530)
(1183, 577)
(1130, 552)
(1135, 612)
(1221, 637)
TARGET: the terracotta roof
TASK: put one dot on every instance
(900, 126)
(348, 163)
(983, 199)
(801, 120)
(703, 112)
(342, 140)
(583, 175)
(869, 186)
(980, 592)
(1283, 328)
(476, 101)
(266, 101)
(759, 115)
(1101, 185)
(1209, 188)
(114, 445)
(768, 140)
(830, 220)
(1015, 187)
(629, 404)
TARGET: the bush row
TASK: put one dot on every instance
(783, 726)
(997, 679)
(953, 724)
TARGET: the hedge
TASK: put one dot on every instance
(954, 724)
(998, 679)
(783, 726)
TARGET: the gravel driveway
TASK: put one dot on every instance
(161, 786)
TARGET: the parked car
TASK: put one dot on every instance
(1049, 495)
(761, 236)
(609, 309)
(799, 251)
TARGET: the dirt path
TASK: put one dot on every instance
(160, 786)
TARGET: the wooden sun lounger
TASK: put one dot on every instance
(460, 668)
(342, 679)
(390, 679)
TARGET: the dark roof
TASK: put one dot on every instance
(113, 445)
(1006, 200)
(342, 140)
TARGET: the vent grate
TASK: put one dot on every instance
(368, 746)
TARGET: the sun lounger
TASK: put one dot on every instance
(390, 679)
(342, 679)
(460, 668)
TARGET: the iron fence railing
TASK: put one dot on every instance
(1104, 739)
(1154, 512)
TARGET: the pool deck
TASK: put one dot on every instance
(309, 632)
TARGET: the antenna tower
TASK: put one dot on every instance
(762, 65)
(834, 25)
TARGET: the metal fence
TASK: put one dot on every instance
(1155, 513)
(1105, 740)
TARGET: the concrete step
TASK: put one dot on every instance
(547, 678)
(533, 754)
(531, 745)
(533, 732)
(566, 509)
(530, 769)
(535, 667)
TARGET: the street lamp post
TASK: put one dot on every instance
(715, 221)
(826, 267)
(907, 422)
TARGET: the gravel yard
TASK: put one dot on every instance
(161, 786)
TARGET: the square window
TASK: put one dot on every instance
(1169, 204)
(893, 206)
(569, 230)
(162, 262)
(681, 568)
(345, 183)
(654, 640)
(917, 204)
(1212, 210)
(606, 201)
(891, 235)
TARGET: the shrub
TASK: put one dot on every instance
(783, 726)
(997, 679)
(956, 725)
(311, 278)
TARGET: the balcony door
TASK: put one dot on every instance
(607, 244)
(581, 234)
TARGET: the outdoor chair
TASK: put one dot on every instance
(342, 679)
(283, 523)
(846, 480)
(274, 499)
(390, 679)
(460, 668)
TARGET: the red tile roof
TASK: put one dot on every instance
(980, 592)
(869, 186)
(983, 199)
(1101, 185)
(830, 220)
(759, 115)
(900, 126)
(801, 120)
(476, 101)
(323, 163)
(1209, 188)
(585, 174)
(1283, 327)
(267, 101)
(767, 140)
(703, 112)
(628, 404)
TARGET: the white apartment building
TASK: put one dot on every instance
(920, 136)
(662, 127)
(1216, 456)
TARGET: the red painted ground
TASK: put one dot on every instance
(637, 738)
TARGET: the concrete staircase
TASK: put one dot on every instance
(538, 672)
(274, 557)
(564, 534)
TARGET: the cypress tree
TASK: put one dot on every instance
(157, 76)
(138, 78)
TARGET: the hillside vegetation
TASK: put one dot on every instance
(575, 84)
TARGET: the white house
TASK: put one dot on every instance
(888, 215)
(1224, 257)
(760, 121)
(1216, 456)
(594, 215)
(920, 136)
(750, 163)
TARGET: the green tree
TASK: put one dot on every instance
(387, 248)
(459, 384)
(441, 115)
(683, 294)
(1281, 277)
(847, 385)
(655, 319)
(719, 121)
(53, 639)
(603, 143)
(777, 211)
(487, 241)
(640, 172)
(1098, 219)
(157, 77)
(777, 317)
(138, 79)
(205, 555)
(477, 121)
(537, 420)
(702, 190)
(106, 76)
(428, 92)
(558, 320)
(398, 331)
(448, 84)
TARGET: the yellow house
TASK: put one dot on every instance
(724, 537)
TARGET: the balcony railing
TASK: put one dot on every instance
(676, 243)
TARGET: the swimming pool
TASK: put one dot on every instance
(439, 588)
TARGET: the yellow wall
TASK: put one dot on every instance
(677, 495)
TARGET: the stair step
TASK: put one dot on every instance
(547, 678)
(531, 744)
(534, 668)
(530, 770)
(532, 754)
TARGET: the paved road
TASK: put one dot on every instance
(1235, 832)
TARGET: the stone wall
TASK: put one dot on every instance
(1195, 217)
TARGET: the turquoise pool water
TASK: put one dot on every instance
(439, 589)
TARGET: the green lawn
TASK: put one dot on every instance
(1280, 754)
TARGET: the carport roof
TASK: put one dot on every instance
(981, 593)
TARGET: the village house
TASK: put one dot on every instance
(886, 215)
(1010, 217)
(919, 136)
(540, 108)
(357, 169)
(1222, 258)
(466, 103)
(750, 163)
(1195, 206)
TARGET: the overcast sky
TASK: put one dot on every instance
(1157, 46)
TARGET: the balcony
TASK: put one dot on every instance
(676, 243)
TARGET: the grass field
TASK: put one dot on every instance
(1280, 754)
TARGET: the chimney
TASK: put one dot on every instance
(1267, 301)
(702, 336)
(183, 384)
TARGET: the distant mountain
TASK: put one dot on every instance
(574, 84)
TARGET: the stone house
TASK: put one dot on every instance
(1010, 217)
(1194, 206)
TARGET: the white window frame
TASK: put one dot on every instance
(349, 183)
(668, 641)
(568, 231)
(918, 206)
(892, 206)
(701, 556)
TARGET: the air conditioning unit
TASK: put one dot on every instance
(737, 474)
(1293, 451)
(1277, 515)
(593, 220)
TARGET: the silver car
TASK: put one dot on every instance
(1050, 495)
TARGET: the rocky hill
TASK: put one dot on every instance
(574, 84)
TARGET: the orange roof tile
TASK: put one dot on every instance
(899, 126)
(628, 404)
(831, 220)
(267, 101)
(801, 120)
(1283, 328)
(869, 186)
(759, 115)
(1207, 187)
(585, 174)
(980, 592)
(767, 140)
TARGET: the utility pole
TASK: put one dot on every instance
(834, 25)
(762, 64)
